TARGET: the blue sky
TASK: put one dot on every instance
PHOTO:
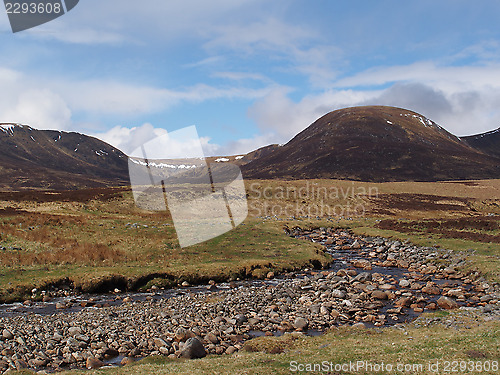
(249, 73)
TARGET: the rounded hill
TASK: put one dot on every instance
(375, 143)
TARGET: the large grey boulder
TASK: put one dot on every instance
(193, 348)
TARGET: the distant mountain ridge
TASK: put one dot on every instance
(57, 160)
(374, 143)
(488, 142)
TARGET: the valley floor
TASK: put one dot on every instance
(56, 245)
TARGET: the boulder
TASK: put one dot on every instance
(430, 289)
(6, 334)
(93, 363)
(447, 303)
(193, 348)
(379, 294)
(300, 323)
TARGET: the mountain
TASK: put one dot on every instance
(374, 143)
(56, 160)
(488, 142)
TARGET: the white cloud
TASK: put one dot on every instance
(79, 36)
(112, 97)
(289, 45)
(277, 113)
(447, 78)
(129, 139)
(42, 109)
(245, 145)
(117, 21)
(267, 34)
(463, 99)
(47, 102)
(241, 76)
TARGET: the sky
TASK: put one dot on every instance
(248, 73)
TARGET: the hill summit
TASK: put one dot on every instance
(375, 143)
(57, 160)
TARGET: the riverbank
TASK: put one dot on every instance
(375, 282)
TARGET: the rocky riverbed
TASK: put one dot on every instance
(372, 282)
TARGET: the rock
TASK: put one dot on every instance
(253, 321)
(403, 283)
(387, 287)
(181, 334)
(185, 283)
(430, 289)
(160, 342)
(6, 334)
(7, 352)
(379, 294)
(83, 338)
(270, 275)
(334, 313)
(3, 365)
(337, 293)
(111, 353)
(230, 350)
(431, 306)
(286, 326)
(163, 350)
(447, 303)
(38, 362)
(127, 300)
(356, 245)
(212, 338)
(402, 263)
(240, 319)
(300, 323)
(314, 309)
(457, 293)
(126, 361)
(395, 245)
(403, 301)
(73, 331)
(193, 348)
(363, 277)
(362, 263)
(60, 306)
(93, 363)
(486, 298)
(20, 364)
(416, 286)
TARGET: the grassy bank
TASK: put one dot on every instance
(97, 239)
(100, 244)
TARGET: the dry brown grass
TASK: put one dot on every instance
(54, 247)
(73, 253)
